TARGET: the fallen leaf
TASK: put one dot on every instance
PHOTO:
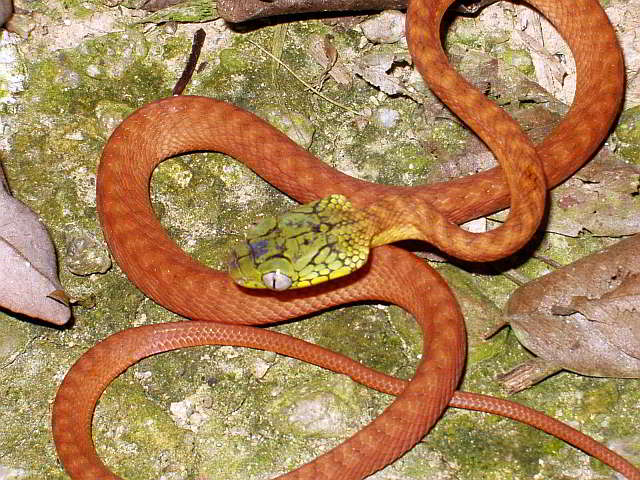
(584, 317)
(326, 55)
(29, 275)
(620, 310)
(601, 198)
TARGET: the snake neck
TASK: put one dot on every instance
(395, 234)
(391, 222)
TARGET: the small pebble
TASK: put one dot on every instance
(386, 117)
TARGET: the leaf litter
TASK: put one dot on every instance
(29, 283)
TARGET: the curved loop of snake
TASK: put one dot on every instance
(227, 312)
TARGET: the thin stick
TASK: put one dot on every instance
(187, 73)
(236, 11)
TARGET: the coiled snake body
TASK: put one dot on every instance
(225, 312)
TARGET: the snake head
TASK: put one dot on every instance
(310, 244)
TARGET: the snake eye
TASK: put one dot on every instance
(276, 280)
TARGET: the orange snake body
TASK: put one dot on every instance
(225, 312)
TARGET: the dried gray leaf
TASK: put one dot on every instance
(374, 69)
(29, 275)
(600, 199)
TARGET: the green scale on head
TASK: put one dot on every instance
(311, 244)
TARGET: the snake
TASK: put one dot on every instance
(225, 313)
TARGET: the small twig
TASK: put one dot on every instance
(548, 260)
(236, 11)
(309, 86)
(520, 279)
(515, 277)
(187, 73)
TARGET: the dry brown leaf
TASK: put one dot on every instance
(29, 274)
(326, 55)
(618, 309)
(584, 317)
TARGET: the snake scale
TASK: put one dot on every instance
(227, 314)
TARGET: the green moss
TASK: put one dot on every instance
(466, 33)
(521, 59)
(450, 136)
(74, 81)
(628, 134)
(142, 426)
(192, 11)
(601, 399)
(81, 9)
(176, 48)
(65, 114)
(65, 9)
(232, 60)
